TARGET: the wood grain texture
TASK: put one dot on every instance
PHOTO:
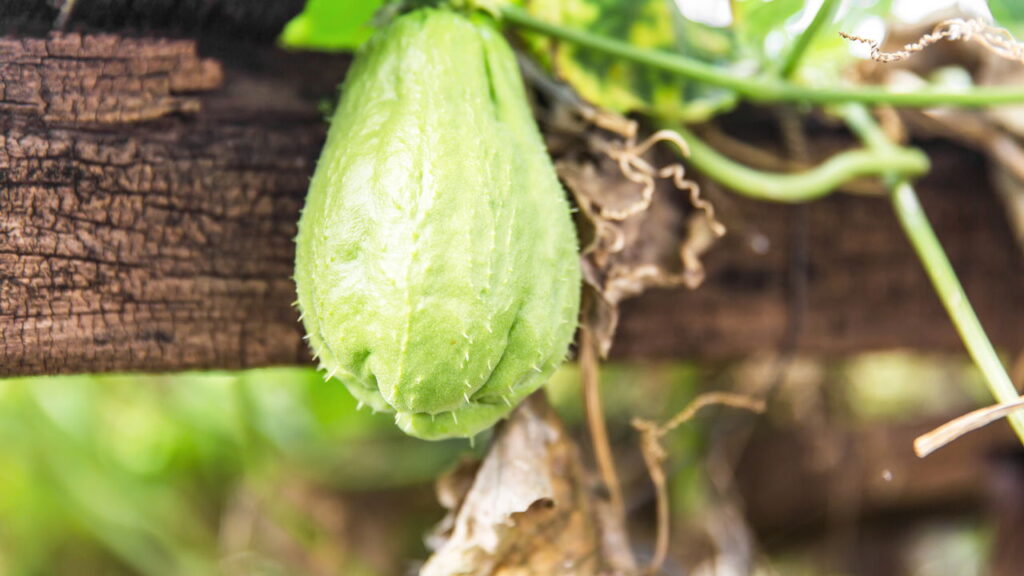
(149, 201)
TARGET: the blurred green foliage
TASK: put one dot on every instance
(150, 475)
(132, 474)
(899, 387)
(1009, 14)
(157, 475)
(145, 474)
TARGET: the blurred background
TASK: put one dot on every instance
(274, 471)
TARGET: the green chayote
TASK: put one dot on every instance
(436, 261)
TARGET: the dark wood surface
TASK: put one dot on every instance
(149, 199)
(250, 20)
(795, 482)
(865, 288)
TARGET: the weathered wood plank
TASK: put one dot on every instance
(148, 202)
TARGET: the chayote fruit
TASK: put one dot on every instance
(436, 261)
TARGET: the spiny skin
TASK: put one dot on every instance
(436, 261)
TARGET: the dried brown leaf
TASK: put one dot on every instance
(637, 234)
(529, 509)
(654, 455)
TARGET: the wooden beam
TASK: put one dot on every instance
(148, 197)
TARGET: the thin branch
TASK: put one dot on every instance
(763, 89)
(64, 15)
(654, 456)
(925, 444)
(589, 373)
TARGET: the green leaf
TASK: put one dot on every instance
(331, 25)
(615, 84)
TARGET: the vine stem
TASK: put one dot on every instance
(915, 224)
(803, 186)
(796, 53)
(762, 88)
(940, 271)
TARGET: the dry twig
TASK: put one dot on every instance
(654, 455)
(589, 373)
(996, 40)
(927, 443)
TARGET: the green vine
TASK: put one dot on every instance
(763, 88)
(804, 186)
(940, 271)
(796, 53)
